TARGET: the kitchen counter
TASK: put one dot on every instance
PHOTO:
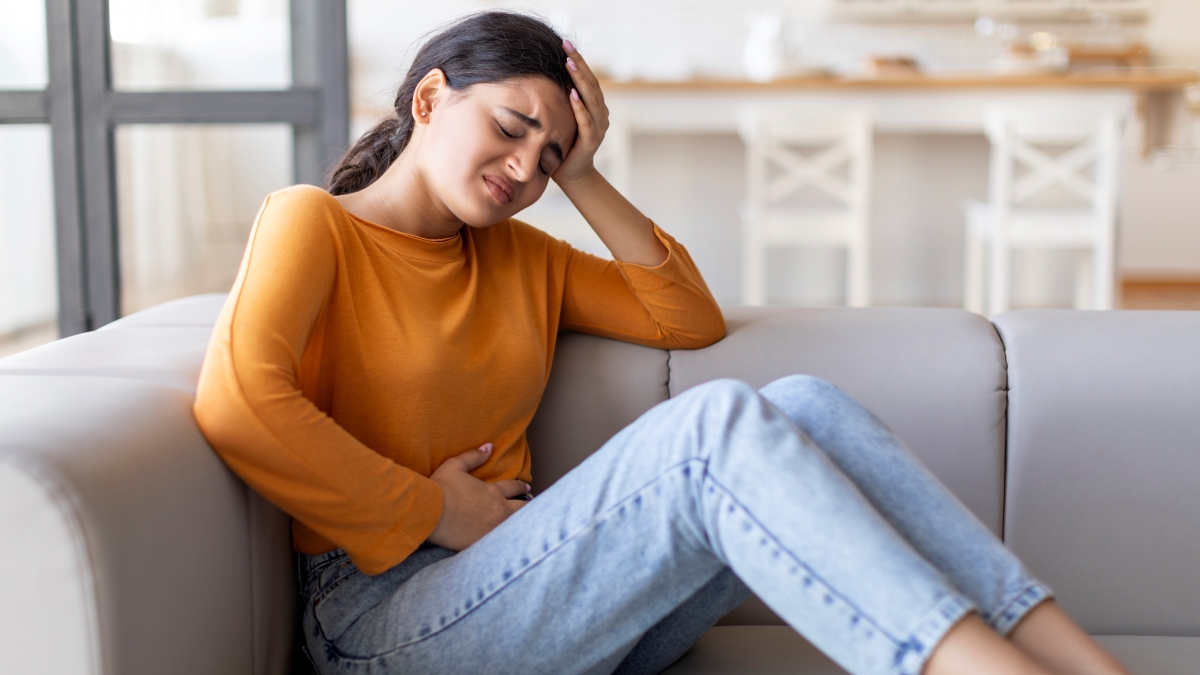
(1140, 79)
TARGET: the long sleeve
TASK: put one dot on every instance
(251, 407)
(667, 306)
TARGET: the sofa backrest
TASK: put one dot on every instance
(1103, 495)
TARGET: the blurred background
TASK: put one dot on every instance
(187, 194)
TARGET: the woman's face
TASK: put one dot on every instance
(488, 151)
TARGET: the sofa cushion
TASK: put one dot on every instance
(175, 554)
(1154, 655)
(779, 650)
(1104, 464)
(596, 388)
(935, 376)
(763, 650)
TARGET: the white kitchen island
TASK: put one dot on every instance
(940, 119)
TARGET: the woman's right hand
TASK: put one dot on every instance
(470, 507)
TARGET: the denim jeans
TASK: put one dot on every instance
(795, 492)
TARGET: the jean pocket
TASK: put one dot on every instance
(337, 598)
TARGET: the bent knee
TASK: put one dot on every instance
(800, 387)
(723, 390)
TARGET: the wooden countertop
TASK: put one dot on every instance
(1147, 79)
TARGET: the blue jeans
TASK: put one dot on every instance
(795, 492)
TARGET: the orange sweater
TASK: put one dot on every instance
(351, 360)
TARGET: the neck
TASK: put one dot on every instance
(402, 200)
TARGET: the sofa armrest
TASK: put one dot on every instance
(140, 552)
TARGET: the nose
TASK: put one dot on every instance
(524, 162)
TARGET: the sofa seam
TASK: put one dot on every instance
(1004, 458)
(670, 354)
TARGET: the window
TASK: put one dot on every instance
(28, 287)
(114, 80)
(187, 195)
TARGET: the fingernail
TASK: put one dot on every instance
(571, 65)
(486, 447)
(528, 488)
(568, 47)
(574, 95)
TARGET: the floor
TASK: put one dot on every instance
(27, 338)
(1160, 294)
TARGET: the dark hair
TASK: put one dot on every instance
(485, 47)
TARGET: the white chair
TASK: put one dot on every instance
(787, 152)
(1021, 170)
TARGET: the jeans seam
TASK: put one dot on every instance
(951, 609)
(590, 525)
(324, 593)
(798, 562)
(997, 623)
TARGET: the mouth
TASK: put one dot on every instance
(502, 190)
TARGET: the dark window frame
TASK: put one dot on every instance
(82, 110)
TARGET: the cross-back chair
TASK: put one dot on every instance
(1021, 170)
(787, 152)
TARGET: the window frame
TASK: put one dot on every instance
(83, 111)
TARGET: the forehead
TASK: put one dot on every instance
(535, 97)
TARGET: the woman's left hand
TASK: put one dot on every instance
(591, 116)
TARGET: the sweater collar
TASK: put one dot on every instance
(446, 249)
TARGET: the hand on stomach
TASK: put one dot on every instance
(470, 507)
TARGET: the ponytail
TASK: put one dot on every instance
(370, 156)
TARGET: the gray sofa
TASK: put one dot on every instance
(130, 549)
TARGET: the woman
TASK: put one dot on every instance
(387, 342)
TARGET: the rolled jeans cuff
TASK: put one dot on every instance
(912, 654)
(1011, 613)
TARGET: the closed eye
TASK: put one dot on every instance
(510, 134)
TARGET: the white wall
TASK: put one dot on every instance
(1173, 32)
(692, 185)
(1161, 215)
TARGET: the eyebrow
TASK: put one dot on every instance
(534, 123)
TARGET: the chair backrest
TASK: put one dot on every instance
(1087, 169)
(774, 138)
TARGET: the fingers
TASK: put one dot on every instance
(583, 116)
(473, 459)
(581, 72)
(586, 83)
(512, 488)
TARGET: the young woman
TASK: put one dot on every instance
(385, 346)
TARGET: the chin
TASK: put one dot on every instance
(485, 215)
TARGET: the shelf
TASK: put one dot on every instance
(937, 10)
(1128, 78)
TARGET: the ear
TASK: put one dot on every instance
(429, 90)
